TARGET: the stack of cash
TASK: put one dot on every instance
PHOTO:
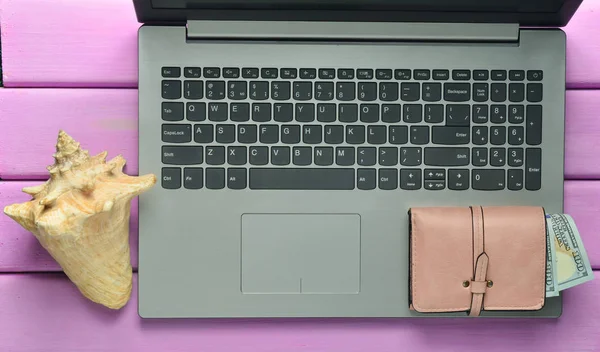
(567, 262)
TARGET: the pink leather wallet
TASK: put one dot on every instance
(469, 259)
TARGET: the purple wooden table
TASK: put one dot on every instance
(53, 49)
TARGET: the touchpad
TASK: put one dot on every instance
(300, 253)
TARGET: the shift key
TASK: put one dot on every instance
(183, 155)
(447, 156)
(533, 169)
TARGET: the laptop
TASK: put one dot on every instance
(291, 138)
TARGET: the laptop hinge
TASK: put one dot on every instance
(346, 31)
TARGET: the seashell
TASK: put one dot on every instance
(80, 215)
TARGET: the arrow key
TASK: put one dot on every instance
(410, 179)
(435, 174)
(458, 179)
(435, 185)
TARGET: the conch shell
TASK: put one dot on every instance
(81, 217)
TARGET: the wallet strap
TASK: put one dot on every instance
(480, 262)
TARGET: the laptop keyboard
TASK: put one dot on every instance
(346, 129)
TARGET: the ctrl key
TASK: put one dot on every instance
(171, 178)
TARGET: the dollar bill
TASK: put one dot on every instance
(571, 261)
(551, 279)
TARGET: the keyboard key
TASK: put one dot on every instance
(480, 92)
(516, 113)
(435, 156)
(384, 74)
(364, 74)
(345, 73)
(498, 114)
(290, 134)
(302, 179)
(312, 134)
(280, 156)
(305, 112)
(449, 135)
(498, 75)
(480, 135)
(261, 112)
(435, 174)
(345, 91)
(410, 91)
(461, 75)
(412, 113)
(498, 92)
(327, 73)
(326, 112)
(344, 156)
(283, 112)
(390, 113)
(410, 179)
(239, 112)
(516, 75)
(231, 72)
(236, 155)
(421, 75)
(225, 134)
(171, 89)
(212, 72)
(355, 134)
(302, 156)
(457, 92)
(441, 75)
(250, 72)
(535, 75)
(324, 156)
(172, 111)
(434, 113)
(171, 72)
(388, 156)
(193, 178)
(175, 133)
(515, 135)
(388, 91)
(203, 133)
(215, 155)
(458, 115)
(458, 179)
(419, 135)
(403, 75)
(497, 156)
(217, 111)
(481, 75)
(171, 178)
(534, 124)
(515, 157)
(432, 92)
(181, 155)
(236, 178)
(308, 73)
(324, 91)
(259, 90)
(367, 91)
(534, 92)
(192, 72)
(215, 178)
(196, 111)
(369, 112)
(516, 92)
(480, 156)
(247, 134)
(269, 73)
(488, 179)
(533, 169)
(259, 155)
(388, 179)
(434, 185)
(410, 156)
(497, 135)
(215, 90)
(398, 134)
(348, 112)
(269, 134)
(237, 90)
(289, 73)
(366, 179)
(515, 179)
(367, 156)
(480, 113)
(334, 134)
(376, 135)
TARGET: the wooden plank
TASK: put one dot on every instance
(44, 312)
(45, 45)
(107, 119)
(20, 251)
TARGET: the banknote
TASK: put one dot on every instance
(551, 281)
(572, 264)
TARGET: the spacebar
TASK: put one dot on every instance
(297, 178)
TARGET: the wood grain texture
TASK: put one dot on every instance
(107, 119)
(44, 312)
(20, 251)
(74, 43)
